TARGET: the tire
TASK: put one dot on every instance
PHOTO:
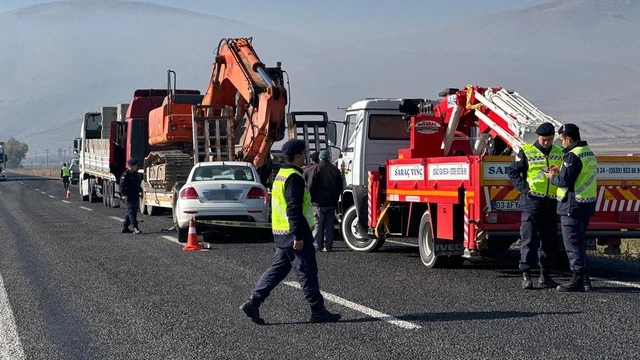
(105, 192)
(182, 234)
(83, 197)
(153, 210)
(351, 235)
(427, 248)
(142, 207)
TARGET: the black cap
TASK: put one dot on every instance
(315, 156)
(568, 128)
(293, 147)
(545, 129)
(132, 162)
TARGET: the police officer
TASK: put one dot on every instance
(539, 226)
(129, 193)
(292, 221)
(576, 182)
(65, 173)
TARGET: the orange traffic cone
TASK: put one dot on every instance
(192, 239)
(68, 194)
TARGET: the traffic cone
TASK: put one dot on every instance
(68, 193)
(192, 239)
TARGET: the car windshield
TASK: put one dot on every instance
(223, 172)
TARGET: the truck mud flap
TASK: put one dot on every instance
(449, 247)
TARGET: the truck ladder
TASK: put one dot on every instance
(522, 117)
(310, 127)
(212, 134)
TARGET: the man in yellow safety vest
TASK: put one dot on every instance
(577, 194)
(65, 173)
(539, 225)
(291, 221)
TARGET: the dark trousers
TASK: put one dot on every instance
(539, 234)
(132, 214)
(324, 219)
(304, 264)
(65, 182)
(574, 230)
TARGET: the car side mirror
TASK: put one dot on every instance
(332, 134)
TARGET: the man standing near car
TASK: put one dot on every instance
(291, 220)
(130, 193)
(325, 186)
(577, 194)
(539, 226)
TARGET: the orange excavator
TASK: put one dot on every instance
(240, 82)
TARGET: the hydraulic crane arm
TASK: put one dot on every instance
(240, 80)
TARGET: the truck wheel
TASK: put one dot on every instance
(82, 196)
(92, 194)
(105, 192)
(427, 244)
(153, 210)
(182, 234)
(352, 236)
(142, 207)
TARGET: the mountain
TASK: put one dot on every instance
(577, 60)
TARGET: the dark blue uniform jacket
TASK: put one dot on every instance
(130, 186)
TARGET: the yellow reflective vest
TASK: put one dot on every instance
(585, 188)
(537, 162)
(65, 171)
(279, 218)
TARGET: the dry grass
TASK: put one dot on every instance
(52, 172)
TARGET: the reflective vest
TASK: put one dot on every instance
(585, 187)
(279, 219)
(65, 171)
(539, 185)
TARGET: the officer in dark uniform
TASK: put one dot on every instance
(292, 221)
(577, 193)
(539, 226)
(129, 193)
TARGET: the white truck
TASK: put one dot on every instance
(98, 178)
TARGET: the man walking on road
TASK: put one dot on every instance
(65, 173)
(292, 220)
(130, 193)
(576, 182)
(325, 186)
(539, 226)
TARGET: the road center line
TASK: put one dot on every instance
(66, 202)
(10, 344)
(51, 196)
(363, 309)
(171, 238)
(116, 218)
(85, 208)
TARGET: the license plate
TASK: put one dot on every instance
(501, 205)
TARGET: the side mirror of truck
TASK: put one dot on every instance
(332, 134)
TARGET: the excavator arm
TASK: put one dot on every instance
(240, 80)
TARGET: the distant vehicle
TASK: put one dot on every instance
(3, 163)
(74, 169)
(221, 190)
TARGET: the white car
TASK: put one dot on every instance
(221, 190)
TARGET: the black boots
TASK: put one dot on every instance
(545, 281)
(576, 284)
(323, 316)
(126, 230)
(526, 281)
(252, 309)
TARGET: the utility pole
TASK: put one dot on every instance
(47, 153)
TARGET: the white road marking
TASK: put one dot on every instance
(615, 282)
(401, 243)
(171, 238)
(51, 196)
(116, 218)
(85, 208)
(37, 189)
(10, 344)
(363, 309)
(43, 192)
(66, 202)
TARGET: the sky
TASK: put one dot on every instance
(326, 19)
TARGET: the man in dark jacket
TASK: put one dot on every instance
(130, 193)
(325, 186)
(539, 224)
(577, 194)
(291, 221)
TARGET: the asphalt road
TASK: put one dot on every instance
(73, 287)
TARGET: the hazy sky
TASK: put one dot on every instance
(326, 19)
